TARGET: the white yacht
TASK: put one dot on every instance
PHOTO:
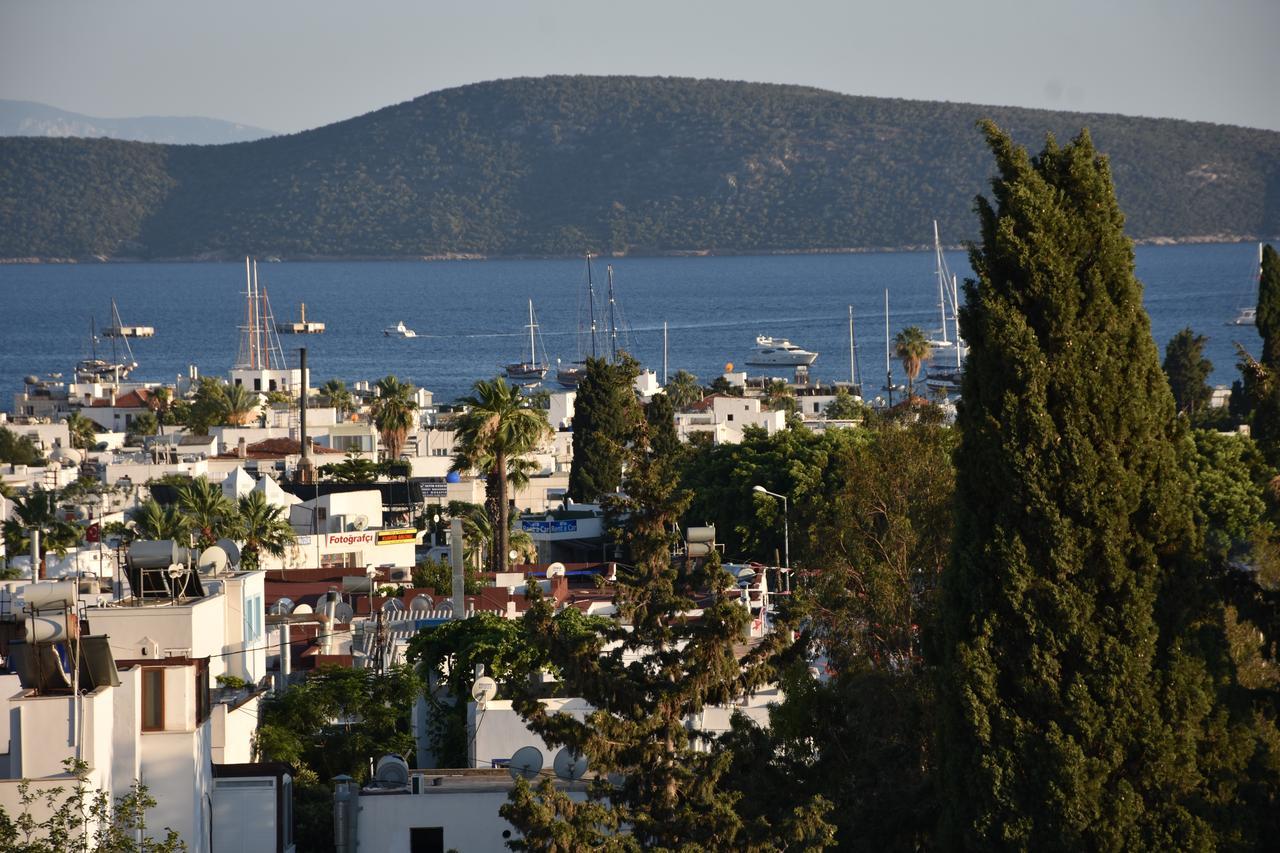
(399, 330)
(772, 352)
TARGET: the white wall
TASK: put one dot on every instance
(499, 731)
(244, 814)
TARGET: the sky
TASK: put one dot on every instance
(289, 65)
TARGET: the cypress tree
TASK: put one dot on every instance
(605, 414)
(1268, 316)
(1071, 506)
(1187, 369)
(660, 415)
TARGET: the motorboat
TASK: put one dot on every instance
(1246, 317)
(399, 330)
(773, 352)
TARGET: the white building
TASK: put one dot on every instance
(725, 417)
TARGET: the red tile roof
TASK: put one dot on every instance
(139, 399)
(277, 448)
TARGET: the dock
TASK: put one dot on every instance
(302, 327)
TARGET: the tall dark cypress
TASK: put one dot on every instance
(1071, 505)
(1268, 316)
(605, 417)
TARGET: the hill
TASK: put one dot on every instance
(26, 118)
(557, 165)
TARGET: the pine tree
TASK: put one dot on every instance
(1071, 502)
(655, 790)
(1187, 370)
(605, 412)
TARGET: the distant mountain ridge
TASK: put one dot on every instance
(28, 118)
(561, 165)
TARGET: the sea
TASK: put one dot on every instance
(471, 316)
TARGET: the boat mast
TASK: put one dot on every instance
(591, 306)
(533, 354)
(664, 352)
(888, 369)
(955, 316)
(940, 272)
(613, 317)
(855, 373)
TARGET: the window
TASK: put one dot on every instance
(731, 416)
(252, 618)
(426, 839)
(203, 704)
(257, 384)
(348, 560)
(153, 699)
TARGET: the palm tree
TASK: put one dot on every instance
(152, 520)
(239, 406)
(778, 395)
(335, 393)
(393, 414)
(38, 511)
(499, 426)
(211, 513)
(683, 389)
(263, 529)
(144, 424)
(84, 432)
(913, 348)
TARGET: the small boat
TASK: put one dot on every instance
(570, 375)
(118, 329)
(302, 327)
(772, 352)
(531, 370)
(399, 330)
(1248, 315)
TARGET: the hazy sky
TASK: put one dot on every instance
(292, 64)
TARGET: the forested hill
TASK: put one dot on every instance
(559, 165)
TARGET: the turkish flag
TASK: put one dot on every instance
(92, 533)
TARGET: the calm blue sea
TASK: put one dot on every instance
(470, 315)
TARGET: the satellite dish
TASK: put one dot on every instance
(360, 522)
(392, 772)
(555, 570)
(746, 574)
(392, 605)
(421, 601)
(232, 551)
(343, 613)
(212, 561)
(446, 605)
(283, 606)
(569, 765)
(485, 689)
(527, 763)
(303, 610)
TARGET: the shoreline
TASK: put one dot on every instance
(669, 253)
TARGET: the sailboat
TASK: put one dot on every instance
(1248, 315)
(531, 370)
(946, 366)
(588, 343)
(94, 369)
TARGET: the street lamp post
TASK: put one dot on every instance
(786, 530)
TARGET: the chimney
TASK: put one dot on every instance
(242, 451)
(305, 472)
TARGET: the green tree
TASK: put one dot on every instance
(143, 424)
(16, 449)
(845, 407)
(239, 406)
(1187, 370)
(1268, 316)
(263, 528)
(353, 468)
(666, 794)
(1060, 703)
(497, 430)
(81, 817)
(683, 389)
(151, 520)
(393, 413)
(912, 349)
(334, 393)
(605, 414)
(206, 408)
(38, 510)
(84, 432)
(778, 396)
(660, 414)
(211, 513)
